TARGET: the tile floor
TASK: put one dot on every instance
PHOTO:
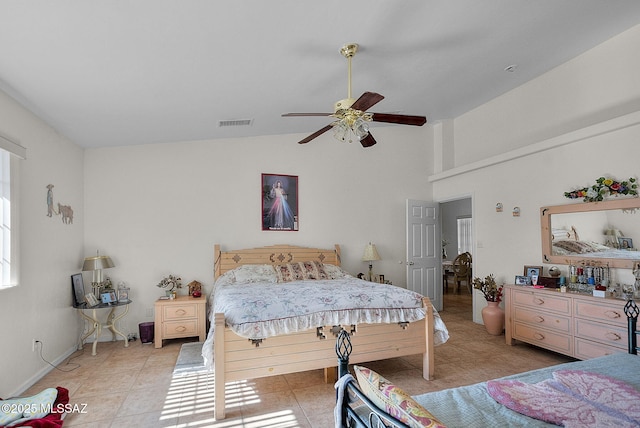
(135, 386)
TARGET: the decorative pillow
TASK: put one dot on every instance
(255, 273)
(20, 409)
(300, 271)
(394, 400)
(335, 272)
(574, 246)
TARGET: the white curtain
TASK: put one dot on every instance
(465, 234)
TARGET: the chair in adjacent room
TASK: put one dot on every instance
(462, 271)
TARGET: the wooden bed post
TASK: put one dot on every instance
(216, 261)
(218, 364)
(428, 358)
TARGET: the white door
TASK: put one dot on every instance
(424, 250)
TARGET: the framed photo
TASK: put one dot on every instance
(532, 270)
(77, 289)
(280, 202)
(625, 243)
(109, 297)
(381, 279)
(522, 280)
(123, 294)
(91, 299)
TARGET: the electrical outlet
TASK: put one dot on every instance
(34, 342)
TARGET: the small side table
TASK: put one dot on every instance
(184, 316)
(96, 325)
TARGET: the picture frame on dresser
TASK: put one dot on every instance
(532, 270)
(522, 280)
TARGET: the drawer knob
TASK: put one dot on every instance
(538, 301)
(613, 336)
(612, 314)
(538, 336)
(539, 319)
(181, 328)
(181, 312)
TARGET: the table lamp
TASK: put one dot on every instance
(96, 264)
(370, 254)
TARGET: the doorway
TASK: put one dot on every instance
(457, 237)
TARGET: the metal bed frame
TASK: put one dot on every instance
(379, 418)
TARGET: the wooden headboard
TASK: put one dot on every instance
(224, 261)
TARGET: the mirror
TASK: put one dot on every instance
(604, 233)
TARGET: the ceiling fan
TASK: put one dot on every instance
(352, 116)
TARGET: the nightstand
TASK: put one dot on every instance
(183, 316)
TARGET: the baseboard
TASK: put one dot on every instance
(42, 372)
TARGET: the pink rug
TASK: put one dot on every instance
(573, 398)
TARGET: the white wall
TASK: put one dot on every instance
(159, 209)
(40, 307)
(516, 150)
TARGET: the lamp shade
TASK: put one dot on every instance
(97, 262)
(370, 253)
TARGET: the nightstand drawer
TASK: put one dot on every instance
(603, 333)
(179, 311)
(546, 338)
(173, 329)
(544, 319)
(543, 301)
(597, 311)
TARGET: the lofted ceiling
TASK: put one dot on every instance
(120, 72)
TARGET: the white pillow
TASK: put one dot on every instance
(335, 272)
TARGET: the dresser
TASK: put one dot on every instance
(184, 316)
(577, 325)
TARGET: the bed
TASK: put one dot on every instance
(603, 391)
(244, 344)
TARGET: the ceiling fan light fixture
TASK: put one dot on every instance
(360, 129)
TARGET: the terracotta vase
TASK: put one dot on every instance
(493, 318)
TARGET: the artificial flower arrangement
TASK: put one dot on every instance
(170, 283)
(488, 287)
(604, 187)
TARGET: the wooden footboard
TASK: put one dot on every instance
(238, 358)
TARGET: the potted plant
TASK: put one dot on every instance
(492, 314)
(170, 283)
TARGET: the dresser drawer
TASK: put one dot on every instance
(173, 312)
(542, 300)
(546, 338)
(173, 329)
(586, 349)
(610, 313)
(603, 333)
(550, 320)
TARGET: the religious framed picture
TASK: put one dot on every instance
(280, 202)
(625, 243)
(77, 289)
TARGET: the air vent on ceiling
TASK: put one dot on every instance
(236, 122)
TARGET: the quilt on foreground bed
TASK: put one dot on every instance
(258, 303)
(473, 405)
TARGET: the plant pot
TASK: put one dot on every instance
(493, 318)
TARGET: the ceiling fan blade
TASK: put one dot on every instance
(305, 114)
(366, 101)
(368, 141)
(315, 134)
(402, 119)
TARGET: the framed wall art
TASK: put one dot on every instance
(280, 202)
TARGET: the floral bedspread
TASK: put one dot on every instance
(258, 310)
